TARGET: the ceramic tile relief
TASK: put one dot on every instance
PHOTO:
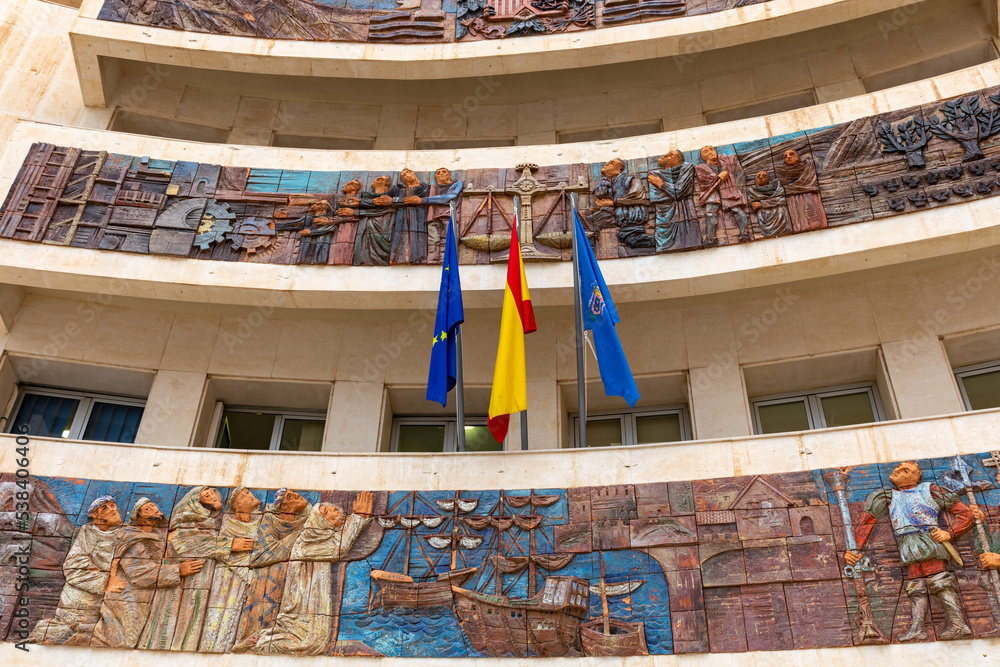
(875, 554)
(865, 170)
(401, 21)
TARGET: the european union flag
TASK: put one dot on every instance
(450, 314)
(600, 316)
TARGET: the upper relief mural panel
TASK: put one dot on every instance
(407, 21)
(871, 168)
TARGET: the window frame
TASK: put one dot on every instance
(450, 430)
(814, 404)
(281, 416)
(78, 426)
(627, 419)
(970, 371)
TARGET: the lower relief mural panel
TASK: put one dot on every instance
(876, 554)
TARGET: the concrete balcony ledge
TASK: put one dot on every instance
(94, 40)
(883, 442)
(924, 234)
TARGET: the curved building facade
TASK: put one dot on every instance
(224, 229)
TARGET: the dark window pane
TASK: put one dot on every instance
(657, 428)
(848, 409)
(113, 423)
(46, 416)
(983, 390)
(302, 435)
(420, 438)
(246, 430)
(479, 439)
(783, 417)
(604, 432)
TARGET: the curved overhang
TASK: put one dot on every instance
(923, 234)
(94, 40)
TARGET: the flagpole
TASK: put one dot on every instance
(459, 363)
(516, 238)
(581, 369)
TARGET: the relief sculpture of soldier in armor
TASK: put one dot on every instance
(914, 508)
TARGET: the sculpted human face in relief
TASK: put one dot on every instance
(906, 475)
(149, 516)
(612, 168)
(381, 185)
(107, 516)
(671, 159)
(333, 514)
(710, 155)
(791, 158)
(292, 503)
(352, 188)
(210, 498)
(245, 502)
(762, 179)
(409, 178)
(442, 176)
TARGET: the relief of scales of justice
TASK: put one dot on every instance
(523, 190)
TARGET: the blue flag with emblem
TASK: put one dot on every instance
(450, 314)
(600, 317)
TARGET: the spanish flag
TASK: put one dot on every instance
(510, 385)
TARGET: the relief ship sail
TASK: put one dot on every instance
(611, 637)
(401, 589)
(547, 622)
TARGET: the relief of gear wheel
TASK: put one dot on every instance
(252, 234)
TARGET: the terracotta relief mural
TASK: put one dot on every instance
(403, 21)
(875, 554)
(872, 168)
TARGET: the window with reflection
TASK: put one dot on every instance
(643, 427)
(440, 434)
(72, 415)
(249, 428)
(980, 385)
(824, 408)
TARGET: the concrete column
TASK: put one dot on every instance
(544, 416)
(10, 302)
(354, 420)
(172, 409)
(719, 403)
(718, 398)
(922, 378)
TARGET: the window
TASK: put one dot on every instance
(439, 434)
(980, 385)
(839, 406)
(249, 428)
(77, 416)
(634, 428)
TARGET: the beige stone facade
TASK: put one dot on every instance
(897, 304)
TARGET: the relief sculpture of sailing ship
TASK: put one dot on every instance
(544, 623)
(419, 585)
(611, 637)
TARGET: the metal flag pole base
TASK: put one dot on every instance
(524, 430)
